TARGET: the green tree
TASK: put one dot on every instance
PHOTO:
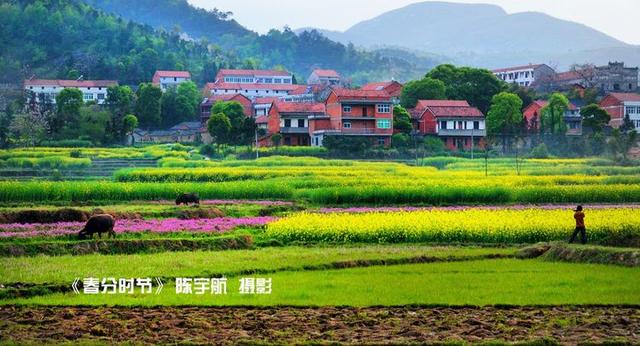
(92, 123)
(621, 143)
(423, 89)
(402, 120)
(276, 139)
(120, 102)
(504, 118)
(400, 140)
(29, 128)
(552, 117)
(594, 118)
(148, 106)
(219, 127)
(242, 126)
(476, 86)
(68, 102)
(129, 123)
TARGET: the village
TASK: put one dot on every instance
(327, 105)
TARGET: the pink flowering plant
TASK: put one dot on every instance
(162, 226)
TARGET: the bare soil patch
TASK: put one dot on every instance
(565, 325)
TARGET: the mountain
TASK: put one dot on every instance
(299, 53)
(483, 35)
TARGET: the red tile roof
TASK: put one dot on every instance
(445, 108)
(252, 86)
(518, 68)
(71, 83)
(626, 97)
(265, 100)
(224, 98)
(170, 74)
(326, 73)
(299, 107)
(544, 103)
(359, 94)
(274, 73)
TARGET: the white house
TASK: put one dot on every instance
(252, 83)
(168, 79)
(48, 89)
(526, 76)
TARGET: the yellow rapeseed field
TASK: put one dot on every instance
(471, 225)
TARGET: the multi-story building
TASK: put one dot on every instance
(251, 83)
(170, 79)
(325, 77)
(345, 112)
(46, 90)
(572, 117)
(292, 121)
(618, 105)
(613, 77)
(364, 113)
(532, 76)
(459, 125)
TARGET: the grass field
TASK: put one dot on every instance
(486, 282)
(376, 236)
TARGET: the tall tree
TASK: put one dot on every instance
(402, 120)
(552, 117)
(148, 106)
(242, 126)
(423, 89)
(219, 128)
(68, 102)
(120, 102)
(476, 86)
(594, 118)
(504, 118)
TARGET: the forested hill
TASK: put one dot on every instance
(214, 25)
(279, 48)
(69, 39)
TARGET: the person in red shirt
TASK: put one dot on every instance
(580, 228)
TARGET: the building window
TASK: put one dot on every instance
(381, 141)
(346, 109)
(443, 125)
(287, 122)
(268, 80)
(301, 123)
(277, 81)
(384, 123)
(287, 81)
(385, 108)
(88, 97)
(347, 125)
(100, 96)
(476, 125)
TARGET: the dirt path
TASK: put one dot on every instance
(567, 325)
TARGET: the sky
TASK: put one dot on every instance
(617, 18)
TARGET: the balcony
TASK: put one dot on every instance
(462, 133)
(294, 130)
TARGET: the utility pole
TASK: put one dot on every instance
(257, 149)
(472, 144)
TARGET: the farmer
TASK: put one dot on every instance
(580, 228)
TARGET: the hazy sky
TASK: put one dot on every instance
(617, 18)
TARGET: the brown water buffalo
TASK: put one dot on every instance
(102, 223)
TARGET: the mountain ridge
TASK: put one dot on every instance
(484, 35)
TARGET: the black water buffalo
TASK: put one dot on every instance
(102, 223)
(188, 198)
